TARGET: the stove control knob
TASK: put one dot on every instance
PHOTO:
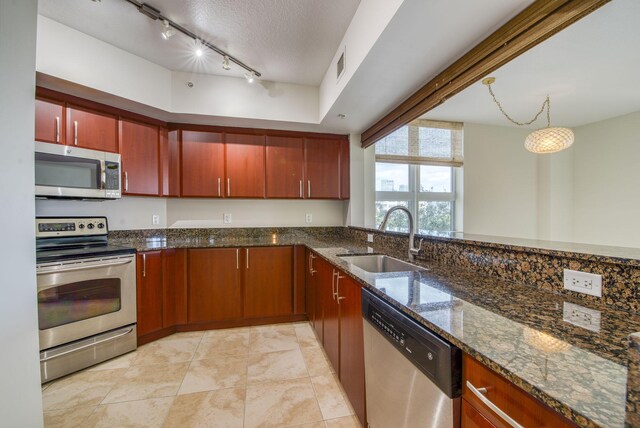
(100, 225)
(90, 226)
(81, 226)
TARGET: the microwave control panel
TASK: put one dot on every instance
(112, 179)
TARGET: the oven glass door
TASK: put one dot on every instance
(67, 171)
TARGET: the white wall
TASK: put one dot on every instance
(500, 182)
(20, 396)
(606, 182)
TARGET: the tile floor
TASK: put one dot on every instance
(267, 376)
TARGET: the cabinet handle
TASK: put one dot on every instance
(144, 265)
(300, 189)
(479, 392)
(311, 257)
(218, 186)
(57, 129)
(333, 284)
(308, 188)
(126, 181)
(247, 258)
(238, 258)
(75, 132)
(337, 296)
(228, 186)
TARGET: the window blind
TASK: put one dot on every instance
(423, 142)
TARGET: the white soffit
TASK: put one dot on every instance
(590, 70)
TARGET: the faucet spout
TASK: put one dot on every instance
(413, 251)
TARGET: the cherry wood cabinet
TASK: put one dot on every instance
(202, 164)
(471, 418)
(322, 162)
(327, 304)
(174, 287)
(285, 167)
(513, 401)
(345, 168)
(149, 292)
(50, 121)
(268, 281)
(299, 276)
(140, 157)
(215, 292)
(349, 299)
(244, 166)
(91, 129)
(170, 160)
(313, 303)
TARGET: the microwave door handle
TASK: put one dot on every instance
(103, 176)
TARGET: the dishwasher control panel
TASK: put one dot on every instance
(387, 327)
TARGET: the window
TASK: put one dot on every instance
(415, 168)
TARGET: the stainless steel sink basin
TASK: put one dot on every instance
(380, 264)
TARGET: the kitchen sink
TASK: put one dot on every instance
(380, 264)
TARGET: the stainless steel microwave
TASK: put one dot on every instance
(71, 172)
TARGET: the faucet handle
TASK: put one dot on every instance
(420, 244)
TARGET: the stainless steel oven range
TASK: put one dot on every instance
(86, 295)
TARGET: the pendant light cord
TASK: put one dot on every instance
(546, 103)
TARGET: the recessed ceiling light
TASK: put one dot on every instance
(341, 116)
(167, 31)
(250, 76)
(225, 63)
(189, 84)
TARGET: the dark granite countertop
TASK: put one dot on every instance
(517, 330)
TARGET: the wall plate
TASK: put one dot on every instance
(583, 282)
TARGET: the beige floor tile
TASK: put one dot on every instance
(67, 418)
(81, 389)
(218, 373)
(166, 351)
(345, 422)
(223, 343)
(225, 331)
(315, 361)
(330, 398)
(285, 327)
(149, 413)
(310, 425)
(223, 408)
(142, 382)
(306, 336)
(185, 335)
(122, 362)
(281, 403)
(273, 340)
(276, 366)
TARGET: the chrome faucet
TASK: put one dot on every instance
(413, 251)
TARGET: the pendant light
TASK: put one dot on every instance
(544, 140)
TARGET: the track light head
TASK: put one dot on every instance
(167, 31)
(250, 76)
(225, 63)
(198, 48)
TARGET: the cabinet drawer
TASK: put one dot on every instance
(511, 400)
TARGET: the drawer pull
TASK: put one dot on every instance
(479, 392)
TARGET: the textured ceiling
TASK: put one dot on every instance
(289, 41)
(590, 70)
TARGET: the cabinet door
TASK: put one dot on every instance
(345, 170)
(140, 156)
(245, 166)
(314, 298)
(284, 167)
(49, 121)
(331, 316)
(351, 342)
(202, 164)
(149, 292)
(322, 162)
(471, 418)
(174, 276)
(214, 285)
(170, 160)
(268, 281)
(92, 130)
(299, 275)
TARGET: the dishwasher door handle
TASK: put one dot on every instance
(479, 393)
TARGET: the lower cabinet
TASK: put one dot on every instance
(471, 418)
(336, 315)
(149, 292)
(268, 281)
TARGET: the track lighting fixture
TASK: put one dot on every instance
(225, 63)
(170, 27)
(167, 31)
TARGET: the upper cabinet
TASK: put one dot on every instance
(170, 158)
(285, 167)
(244, 165)
(202, 164)
(322, 161)
(345, 167)
(92, 129)
(140, 156)
(50, 121)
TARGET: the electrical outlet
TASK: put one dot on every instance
(226, 218)
(155, 220)
(581, 316)
(369, 250)
(583, 282)
(308, 218)
(369, 237)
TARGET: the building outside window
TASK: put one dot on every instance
(416, 167)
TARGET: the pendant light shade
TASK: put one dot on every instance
(549, 140)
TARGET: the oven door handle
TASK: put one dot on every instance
(88, 345)
(71, 268)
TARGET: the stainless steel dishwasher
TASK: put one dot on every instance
(413, 377)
